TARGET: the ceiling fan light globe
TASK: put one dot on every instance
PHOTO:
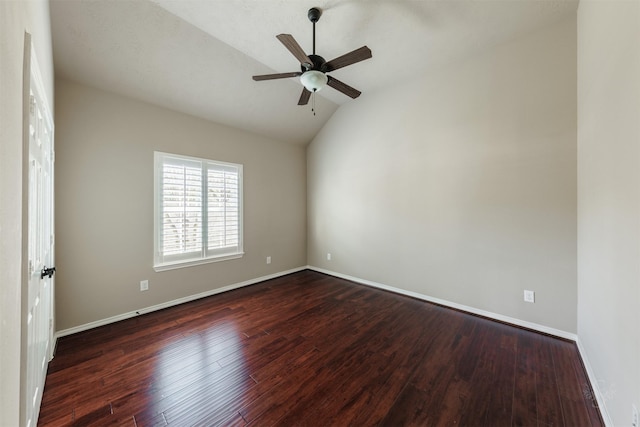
(314, 80)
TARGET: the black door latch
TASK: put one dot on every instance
(47, 272)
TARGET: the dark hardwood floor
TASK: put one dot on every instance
(310, 349)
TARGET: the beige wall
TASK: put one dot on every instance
(16, 17)
(460, 185)
(104, 203)
(609, 199)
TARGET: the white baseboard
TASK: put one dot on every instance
(595, 384)
(172, 303)
(506, 319)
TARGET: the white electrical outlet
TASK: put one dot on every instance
(144, 285)
(635, 421)
(529, 296)
(268, 260)
(328, 256)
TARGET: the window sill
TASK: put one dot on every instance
(183, 264)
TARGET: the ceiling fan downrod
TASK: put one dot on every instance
(314, 16)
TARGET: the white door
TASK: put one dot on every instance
(39, 320)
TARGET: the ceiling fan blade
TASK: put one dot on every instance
(276, 76)
(347, 59)
(304, 96)
(342, 87)
(290, 43)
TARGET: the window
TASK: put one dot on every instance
(198, 211)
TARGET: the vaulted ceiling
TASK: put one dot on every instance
(198, 56)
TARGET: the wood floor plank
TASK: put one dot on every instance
(525, 398)
(502, 374)
(311, 349)
(574, 405)
(550, 411)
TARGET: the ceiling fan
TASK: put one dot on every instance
(314, 68)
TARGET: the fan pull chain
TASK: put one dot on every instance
(313, 102)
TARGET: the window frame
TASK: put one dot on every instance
(205, 255)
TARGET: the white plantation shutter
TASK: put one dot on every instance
(223, 208)
(198, 214)
(182, 208)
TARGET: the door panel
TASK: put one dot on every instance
(39, 321)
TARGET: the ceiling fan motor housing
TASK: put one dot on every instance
(317, 63)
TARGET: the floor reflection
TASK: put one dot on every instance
(208, 365)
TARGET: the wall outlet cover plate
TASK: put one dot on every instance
(529, 296)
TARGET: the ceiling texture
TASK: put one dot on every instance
(198, 56)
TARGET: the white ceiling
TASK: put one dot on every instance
(198, 56)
